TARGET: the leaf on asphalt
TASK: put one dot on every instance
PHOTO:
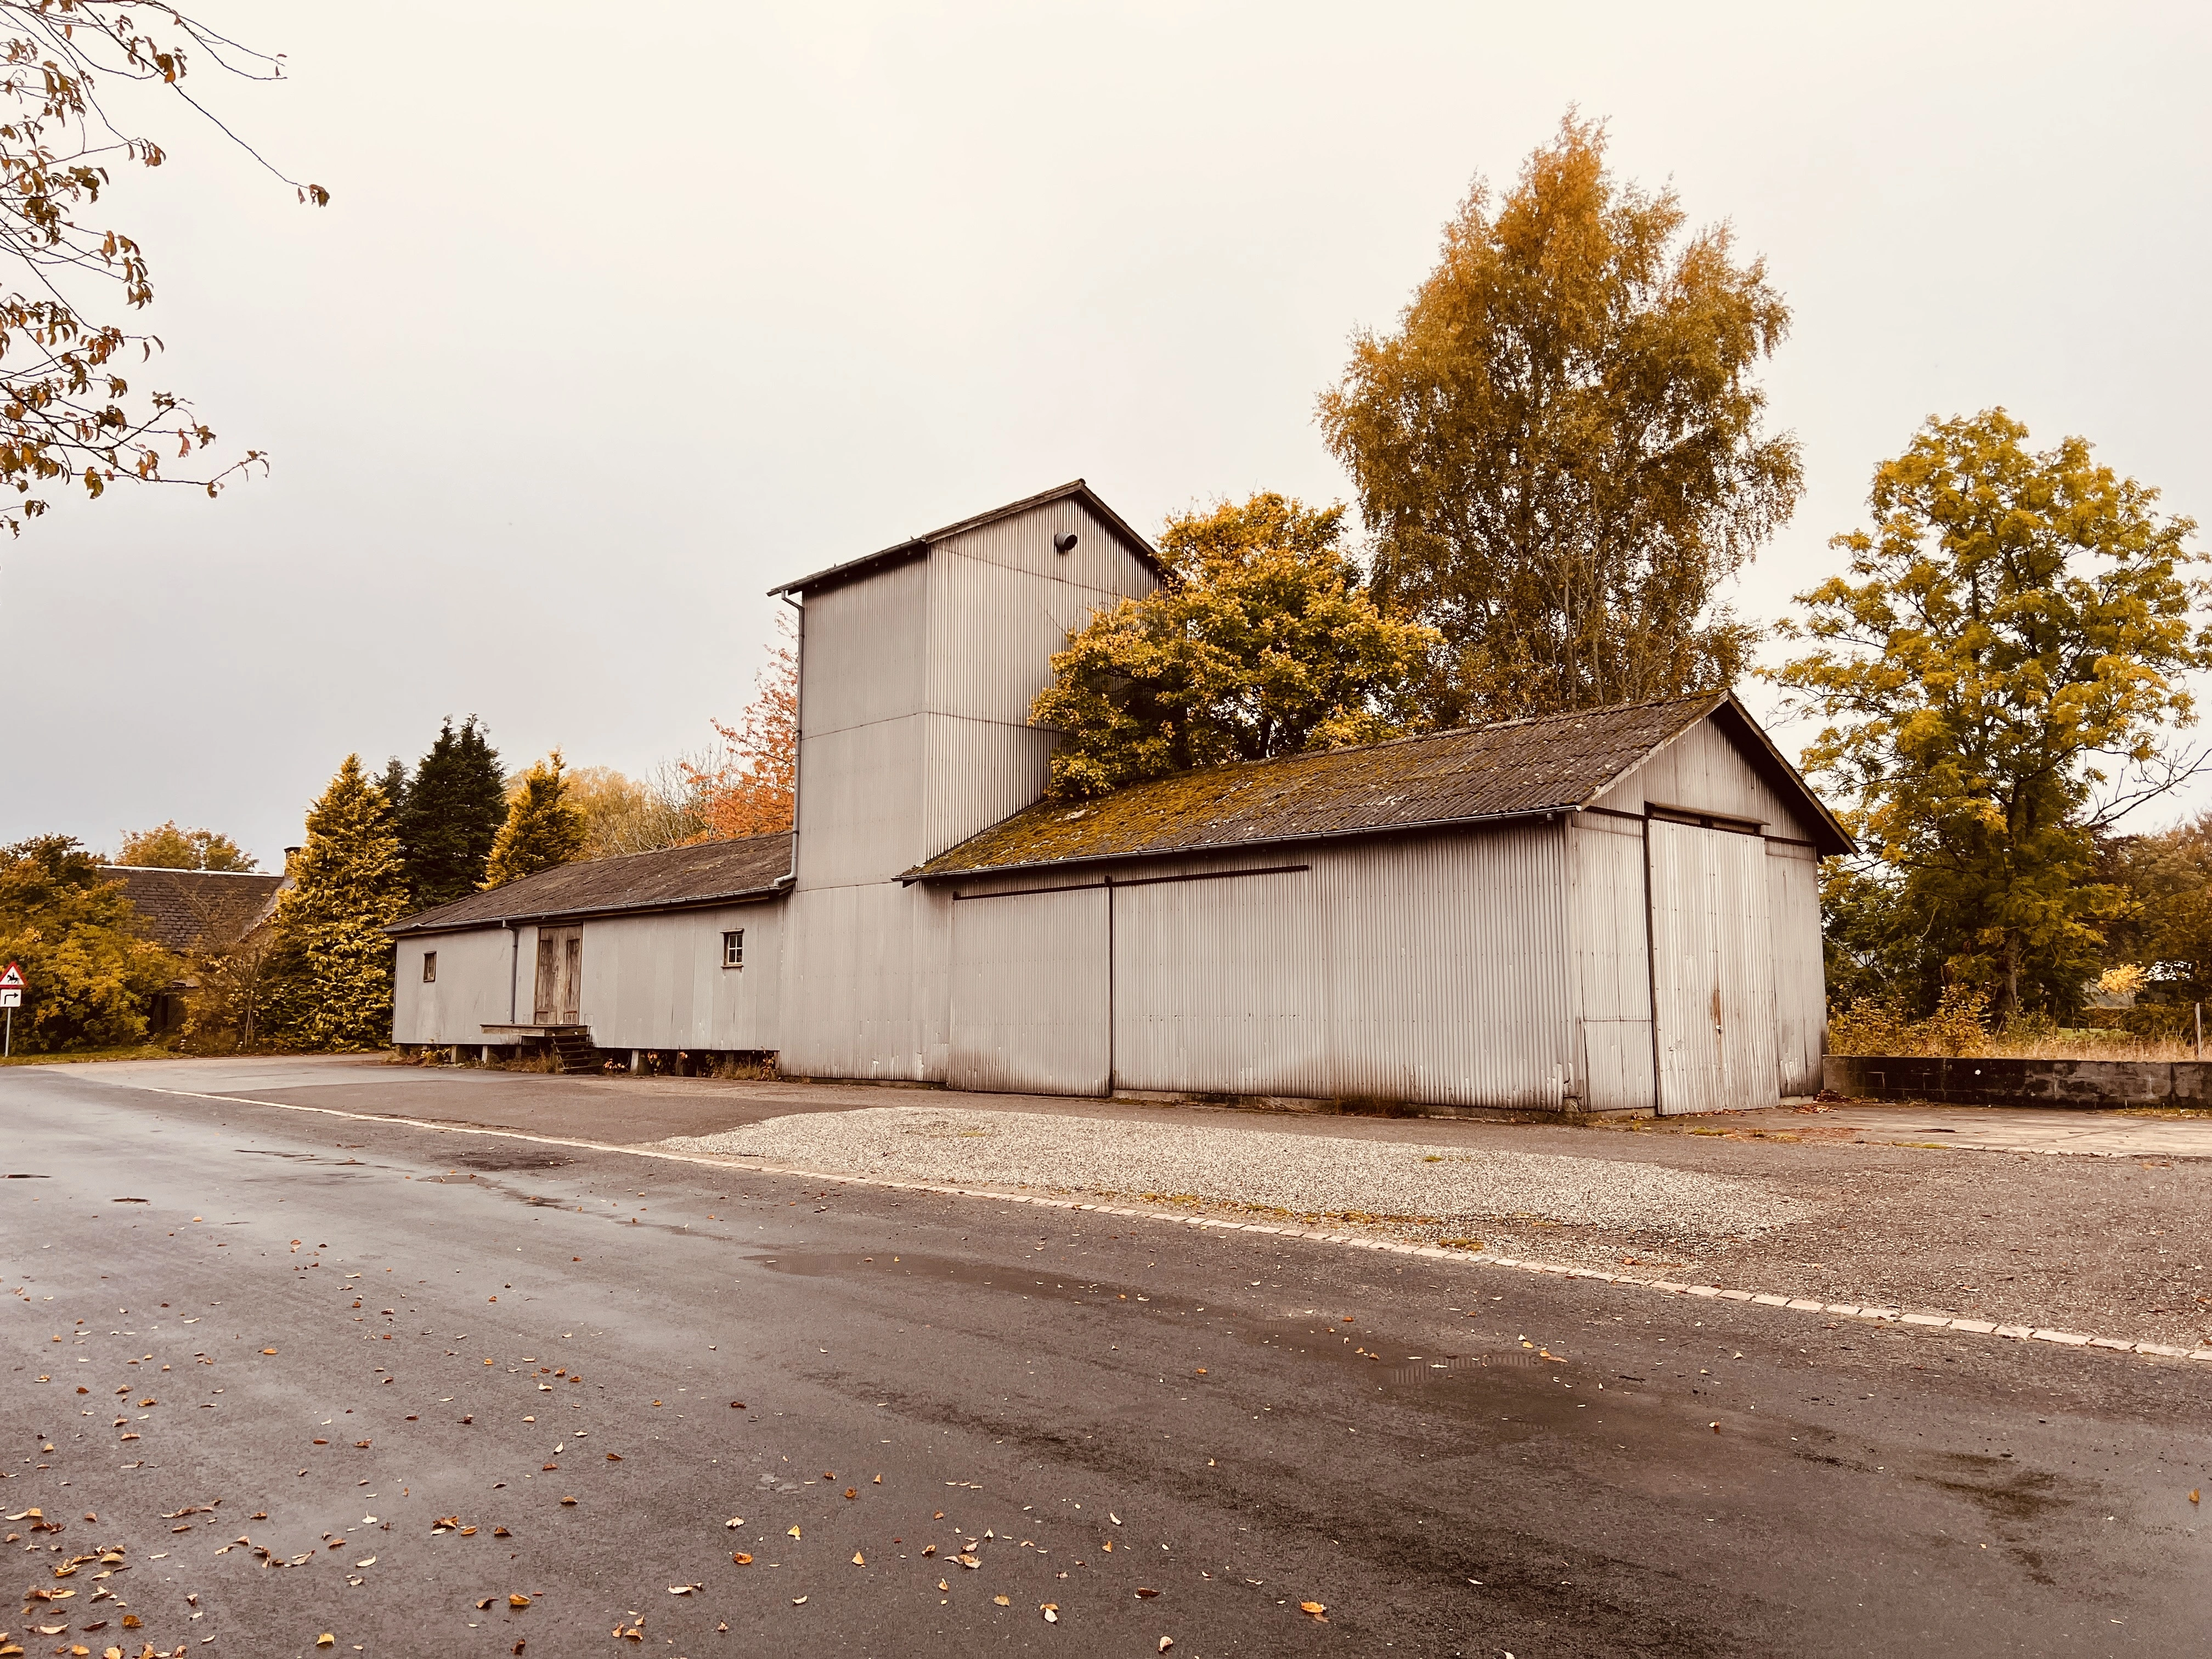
(859, 1560)
(273, 1351)
(798, 1600)
(735, 1521)
(614, 1457)
(852, 1492)
(742, 1559)
(946, 1588)
(967, 1560)
(1147, 1593)
(930, 1550)
(1166, 1641)
(793, 1533)
(468, 1532)
(500, 1532)
(482, 1605)
(1314, 1609)
(325, 1640)
(1108, 1545)
(1115, 1518)
(1051, 1611)
(682, 1590)
(366, 1561)
(879, 1480)
(570, 1502)
(1003, 1601)
(518, 1600)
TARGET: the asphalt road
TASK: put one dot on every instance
(271, 1351)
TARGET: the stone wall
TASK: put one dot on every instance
(1973, 1081)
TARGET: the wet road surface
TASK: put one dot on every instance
(319, 1376)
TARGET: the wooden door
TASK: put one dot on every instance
(560, 977)
(1712, 969)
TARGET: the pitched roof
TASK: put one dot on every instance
(195, 909)
(918, 545)
(672, 878)
(1514, 768)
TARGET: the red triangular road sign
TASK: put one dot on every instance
(11, 978)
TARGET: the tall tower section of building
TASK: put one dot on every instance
(917, 668)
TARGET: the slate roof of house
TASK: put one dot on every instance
(1514, 768)
(195, 909)
(673, 878)
(917, 544)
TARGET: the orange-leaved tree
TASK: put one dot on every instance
(66, 409)
(750, 788)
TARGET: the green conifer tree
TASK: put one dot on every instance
(332, 969)
(451, 816)
(542, 829)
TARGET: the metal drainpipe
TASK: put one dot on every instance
(514, 966)
(1110, 987)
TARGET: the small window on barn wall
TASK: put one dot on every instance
(429, 967)
(733, 949)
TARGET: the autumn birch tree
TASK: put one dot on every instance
(1561, 454)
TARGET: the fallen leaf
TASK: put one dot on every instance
(742, 1559)
(1166, 1641)
(326, 1640)
(793, 1533)
(1147, 1593)
(857, 1559)
(941, 1585)
(735, 1521)
(518, 1600)
(798, 1600)
(852, 1492)
(1051, 1611)
(879, 1480)
(931, 1550)
(570, 1502)
(366, 1561)
(1316, 1609)
(500, 1532)
(1108, 1545)
(482, 1605)
(1115, 1518)
(1004, 1601)
(2192, 1494)
(273, 1351)
(682, 1590)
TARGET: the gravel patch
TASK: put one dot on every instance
(1304, 1174)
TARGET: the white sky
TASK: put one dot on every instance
(613, 323)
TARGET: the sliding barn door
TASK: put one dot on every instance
(1712, 969)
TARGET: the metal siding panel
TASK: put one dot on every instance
(978, 772)
(1703, 768)
(1713, 960)
(470, 991)
(1800, 987)
(864, 656)
(860, 804)
(1217, 986)
(864, 994)
(1449, 965)
(1029, 994)
(1613, 961)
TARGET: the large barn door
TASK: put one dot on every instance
(560, 977)
(1712, 969)
(1029, 992)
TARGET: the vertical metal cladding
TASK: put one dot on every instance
(1705, 769)
(657, 981)
(1432, 969)
(1713, 965)
(1607, 907)
(1800, 986)
(1029, 992)
(469, 994)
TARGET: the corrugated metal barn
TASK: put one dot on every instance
(1615, 910)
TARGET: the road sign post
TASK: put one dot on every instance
(11, 999)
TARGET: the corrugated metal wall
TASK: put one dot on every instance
(1801, 983)
(658, 982)
(864, 992)
(1703, 768)
(1713, 968)
(471, 988)
(1613, 961)
(1430, 970)
(1029, 994)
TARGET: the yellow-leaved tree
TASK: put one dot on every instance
(1263, 641)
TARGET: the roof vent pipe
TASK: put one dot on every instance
(1064, 543)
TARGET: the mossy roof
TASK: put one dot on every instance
(1513, 769)
(672, 878)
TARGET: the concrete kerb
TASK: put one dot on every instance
(1392, 1246)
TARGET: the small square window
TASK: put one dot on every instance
(429, 967)
(733, 949)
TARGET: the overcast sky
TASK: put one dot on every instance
(614, 323)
